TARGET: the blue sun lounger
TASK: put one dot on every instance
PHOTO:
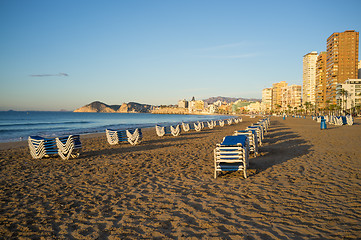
(231, 155)
(42, 147)
(68, 146)
(252, 139)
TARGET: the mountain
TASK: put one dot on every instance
(130, 107)
(229, 99)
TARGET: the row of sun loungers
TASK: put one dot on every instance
(66, 147)
(197, 126)
(336, 120)
(232, 154)
(70, 146)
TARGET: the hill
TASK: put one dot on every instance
(229, 99)
(130, 107)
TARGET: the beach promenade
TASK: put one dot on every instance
(306, 184)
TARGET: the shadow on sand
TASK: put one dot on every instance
(280, 145)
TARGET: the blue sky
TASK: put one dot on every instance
(65, 54)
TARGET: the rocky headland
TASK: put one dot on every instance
(130, 107)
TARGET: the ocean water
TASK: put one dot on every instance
(18, 126)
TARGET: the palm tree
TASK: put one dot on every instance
(344, 94)
(308, 105)
(289, 109)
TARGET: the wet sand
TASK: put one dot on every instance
(304, 185)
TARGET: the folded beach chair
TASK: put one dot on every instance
(264, 125)
(231, 155)
(68, 146)
(133, 136)
(259, 133)
(262, 128)
(339, 121)
(252, 140)
(236, 120)
(42, 147)
(230, 121)
(175, 131)
(186, 127)
(211, 124)
(198, 126)
(161, 131)
(221, 123)
(349, 120)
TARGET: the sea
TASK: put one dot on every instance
(18, 126)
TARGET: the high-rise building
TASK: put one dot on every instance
(321, 80)
(277, 95)
(291, 97)
(342, 61)
(309, 77)
(359, 69)
(266, 105)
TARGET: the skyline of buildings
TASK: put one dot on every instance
(324, 74)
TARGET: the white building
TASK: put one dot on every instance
(266, 104)
(359, 69)
(183, 103)
(254, 107)
(352, 96)
(309, 77)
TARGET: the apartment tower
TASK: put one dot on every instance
(266, 99)
(342, 61)
(277, 95)
(321, 80)
(309, 77)
(291, 97)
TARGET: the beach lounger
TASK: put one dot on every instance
(230, 121)
(175, 131)
(261, 127)
(68, 146)
(42, 147)
(186, 127)
(252, 140)
(163, 130)
(133, 136)
(211, 124)
(264, 125)
(198, 126)
(259, 133)
(221, 123)
(231, 155)
(349, 120)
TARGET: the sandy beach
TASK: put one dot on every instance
(306, 184)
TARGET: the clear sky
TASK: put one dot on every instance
(65, 54)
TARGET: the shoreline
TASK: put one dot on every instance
(22, 143)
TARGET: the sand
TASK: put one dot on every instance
(304, 185)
